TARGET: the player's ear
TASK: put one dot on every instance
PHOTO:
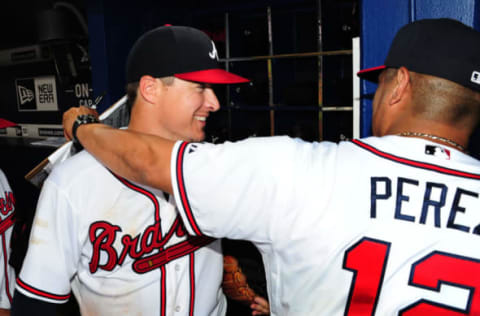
(401, 85)
(148, 88)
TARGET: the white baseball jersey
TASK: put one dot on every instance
(379, 226)
(122, 248)
(7, 211)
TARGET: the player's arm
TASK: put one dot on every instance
(135, 156)
(23, 305)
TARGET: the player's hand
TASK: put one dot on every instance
(260, 306)
(71, 115)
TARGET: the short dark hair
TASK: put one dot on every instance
(132, 89)
(443, 100)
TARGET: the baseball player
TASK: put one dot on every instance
(119, 246)
(378, 226)
(7, 275)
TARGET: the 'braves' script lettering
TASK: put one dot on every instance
(103, 236)
(7, 204)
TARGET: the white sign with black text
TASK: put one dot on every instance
(37, 94)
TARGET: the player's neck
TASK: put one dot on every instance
(143, 126)
(142, 120)
(436, 132)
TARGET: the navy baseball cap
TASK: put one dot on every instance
(179, 51)
(442, 48)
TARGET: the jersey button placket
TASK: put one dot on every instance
(178, 308)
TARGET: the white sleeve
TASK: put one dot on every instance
(53, 250)
(235, 190)
(7, 213)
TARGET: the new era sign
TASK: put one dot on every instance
(25, 94)
(37, 94)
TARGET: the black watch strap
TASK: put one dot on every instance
(81, 120)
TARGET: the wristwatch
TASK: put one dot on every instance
(82, 119)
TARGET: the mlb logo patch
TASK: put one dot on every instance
(475, 77)
(437, 151)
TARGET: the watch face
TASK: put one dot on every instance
(82, 119)
(86, 118)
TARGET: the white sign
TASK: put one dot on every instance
(37, 94)
(46, 93)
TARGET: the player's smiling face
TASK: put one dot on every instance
(186, 106)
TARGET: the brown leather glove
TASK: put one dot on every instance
(234, 283)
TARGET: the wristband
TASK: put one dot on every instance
(81, 120)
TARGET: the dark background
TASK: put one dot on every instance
(299, 84)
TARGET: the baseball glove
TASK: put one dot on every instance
(234, 283)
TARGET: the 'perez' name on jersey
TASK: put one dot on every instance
(423, 202)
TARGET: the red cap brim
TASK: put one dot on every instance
(218, 76)
(4, 123)
(371, 74)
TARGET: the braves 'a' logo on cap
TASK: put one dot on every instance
(475, 77)
(213, 54)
